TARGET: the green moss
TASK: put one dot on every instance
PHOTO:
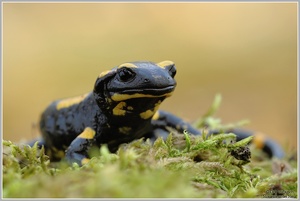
(183, 166)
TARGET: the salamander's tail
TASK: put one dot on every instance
(260, 140)
(165, 119)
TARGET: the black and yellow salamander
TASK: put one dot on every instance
(122, 107)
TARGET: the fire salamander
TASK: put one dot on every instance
(122, 107)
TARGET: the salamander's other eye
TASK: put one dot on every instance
(125, 74)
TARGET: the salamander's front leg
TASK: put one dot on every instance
(78, 149)
(162, 119)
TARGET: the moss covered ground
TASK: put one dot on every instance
(183, 166)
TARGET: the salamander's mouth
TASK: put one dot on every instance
(142, 93)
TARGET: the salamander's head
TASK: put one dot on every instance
(135, 88)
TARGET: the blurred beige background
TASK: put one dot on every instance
(245, 51)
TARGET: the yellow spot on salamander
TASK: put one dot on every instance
(103, 73)
(125, 130)
(70, 101)
(56, 153)
(149, 113)
(85, 161)
(88, 133)
(156, 116)
(259, 140)
(121, 97)
(163, 64)
(129, 108)
(118, 110)
(129, 65)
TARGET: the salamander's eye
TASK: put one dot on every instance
(125, 74)
(172, 70)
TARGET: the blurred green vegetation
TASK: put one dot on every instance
(180, 167)
(245, 51)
